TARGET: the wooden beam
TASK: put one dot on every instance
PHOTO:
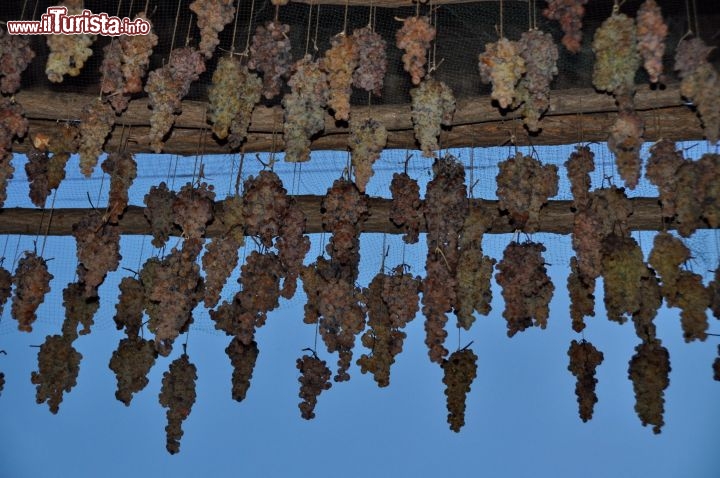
(676, 123)
(556, 217)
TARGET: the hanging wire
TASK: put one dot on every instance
(250, 20)
(177, 18)
(47, 229)
(235, 25)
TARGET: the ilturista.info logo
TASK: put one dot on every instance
(57, 22)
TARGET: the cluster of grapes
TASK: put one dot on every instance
(661, 169)
(122, 169)
(314, 378)
(265, 203)
(304, 108)
(270, 54)
(405, 210)
(414, 38)
(12, 123)
(623, 269)
(502, 65)
(367, 140)
(193, 209)
(219, 260)
(232, 96)
(242, 357)
(46, 172)
(79, 310)
(339, 62)
(625, 141)
(130, 306)
(570, 14)
(540, 54)
(460, 370)
(167, 86)
(651, 33)
(6, 280)
(159, 212)
(131, 363)
(713, 287)
(474, 273)
(292, 246)
(433, 105)
(699, 83)
(15, 56)
(58, 368)
(32, 282)
(582, 299)
(524, 185)
(68, 53)
(616, 55)
(716, 366)
(372, 60)
(579, 166)
(98, 250)
(36, 170)
(212, 16)
(698, 200)
(96, 121)
(584, 361)
(177, 394)
(649, 370)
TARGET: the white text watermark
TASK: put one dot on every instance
(57, 22)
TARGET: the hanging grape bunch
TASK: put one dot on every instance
(414, 38)
(584, 360)
(178, 396)
(270, 55)
(32, 282)
(460, 371)
(569, 13)
(314, 378)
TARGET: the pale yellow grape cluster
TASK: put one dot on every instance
(98, 250)
(367, 139)
(433, 105)
(372, 60)
(96, 121)
(122, 169)
(569, 13)
(79, 310)
(193, 209)
(58, 368)
(623, 270)
(502, 65)
(540, 54)
(524, 185)
(159, 212)
(414, 38)
(584, 361)
(32, 282)
(649, 371)
(177, 394)
(616, 55)
(314, 378)
(651, 33)
(68, 53)
(270, 55)
(212, 16)
(625, 141)
(460, 369)
(474, 273)
(405, 210)
(339, 63)
(242, 357)
(232, 96)
(304, 108)
(15, 56)
(526, 286)
(131, 362)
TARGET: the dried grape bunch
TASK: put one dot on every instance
(58, 368)
(616, 55)
(625, 141)
(709, 187)
(159, 212)
(265, 204)
(666, 257)
(460, 369)
(661, 170)
(524, 185)
(623, 271)
(570, 14)
(112, 83)
(173, 287)
(212, 16)
(79, 310)
(2, 382)
(414, 38)
(96, 121)
(651, 33)
(433, 105)
(270, 54)
(649, 370)
(579, 166)
(716, 366)
(372, 60)
(292, 246)
(692, 201)
(46, 172)
(6, 281)
(405, 209)
(339, 63)
(193, 209)
(167, 86)
(122, 169)
(526, 287)
(582, 299)
(474, 273)
(392, 301)
(367, 139)
(584, 361)
(232, 97)
(243, 358)
(12, 123)
(131, 363)
(700, 83)
(177, 394)
(540, 54)
(502, 65)
(130, 306)
(36, 170)
(98, 250)
(219, 260)
(445, 210)
(693, 299)
(304, 108)
(15, 56)
(68, 53)
(713, 288)
(314, 378)
(32, 282)
(650, 302)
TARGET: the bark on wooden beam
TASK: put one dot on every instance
(674, 123)
(556, 217)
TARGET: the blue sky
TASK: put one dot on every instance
(521, 416)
